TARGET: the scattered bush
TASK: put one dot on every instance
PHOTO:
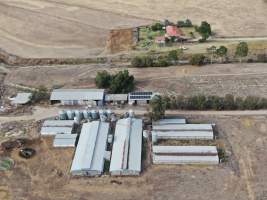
(197, 59)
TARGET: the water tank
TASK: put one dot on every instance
(78, 114)
(131, 113)
(113, 118)
(77, 120)
(70, 114)
(62, 115)
(103, 118)
(126, 115)
(94, 114)
(85, 114)
(109, 112)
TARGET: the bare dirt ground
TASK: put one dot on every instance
(237, 79)
(61, 28)
(46, 176)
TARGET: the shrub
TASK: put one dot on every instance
(197, 59)
(186, 23)
(122, 82)
(142, 61)
(157, 26)
(40, 94)
(173, 55)
(103, 79)
(161, 62)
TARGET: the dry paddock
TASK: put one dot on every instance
(46, 176)
(236, 79)
(68, 28)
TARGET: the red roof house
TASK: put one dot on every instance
(173, 31)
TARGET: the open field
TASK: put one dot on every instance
(61, 28)
(237, 79)
(46, 176)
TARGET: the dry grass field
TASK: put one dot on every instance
(237, 79)
(68, 28)
(46, 176)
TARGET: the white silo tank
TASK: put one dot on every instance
(109, 112)
(76, 120)
(70, 114)
(103, 118)
(62, 115)
(94, 114)
(85, 114)
(113, 118)
(131, 113)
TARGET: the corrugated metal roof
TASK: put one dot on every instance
(185, 149)
(22, 98)
(183, 127)
(184, 135)
(127, 147)
(55, 130)
(186, 160)
(90, 151)
(58, 123)
(77, 94)
(116, 97)
(65, 140)
(170, 121)
(140, 96)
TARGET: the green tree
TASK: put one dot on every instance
(158, 107)
(241, 50)
(222, 52)
(122, 82)
(173, 55)
(157, 26)
(205, 30)
(103, 79)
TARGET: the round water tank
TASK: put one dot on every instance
(85, 114)
(131, 113)
(103, 118)
(94, 114)
(62, 115)
(77, 120)
(70, 114)
(109, 112)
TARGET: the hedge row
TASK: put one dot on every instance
(229, 102)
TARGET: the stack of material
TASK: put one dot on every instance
(65, 140)
(127, 148)
(91, 150)
(185, 155)
(53, 127)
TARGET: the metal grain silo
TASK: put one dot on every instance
(70, 114)
(62, 115)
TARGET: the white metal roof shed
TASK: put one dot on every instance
(127, 147)
(206, 150)
(77, 94)
(170, 121)
(183, 127)
(90, 152)
(65, 140)
(21, 98)
(183, 135)
(55, 130)
(116, 97)
(178, 160)
(58, 123)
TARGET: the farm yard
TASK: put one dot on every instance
(60, 28)
(242, 177)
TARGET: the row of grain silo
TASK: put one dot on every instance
(90, 115)
(178, 129)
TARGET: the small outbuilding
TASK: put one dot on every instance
(116, 98)
(140, 97)
(21, 99)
